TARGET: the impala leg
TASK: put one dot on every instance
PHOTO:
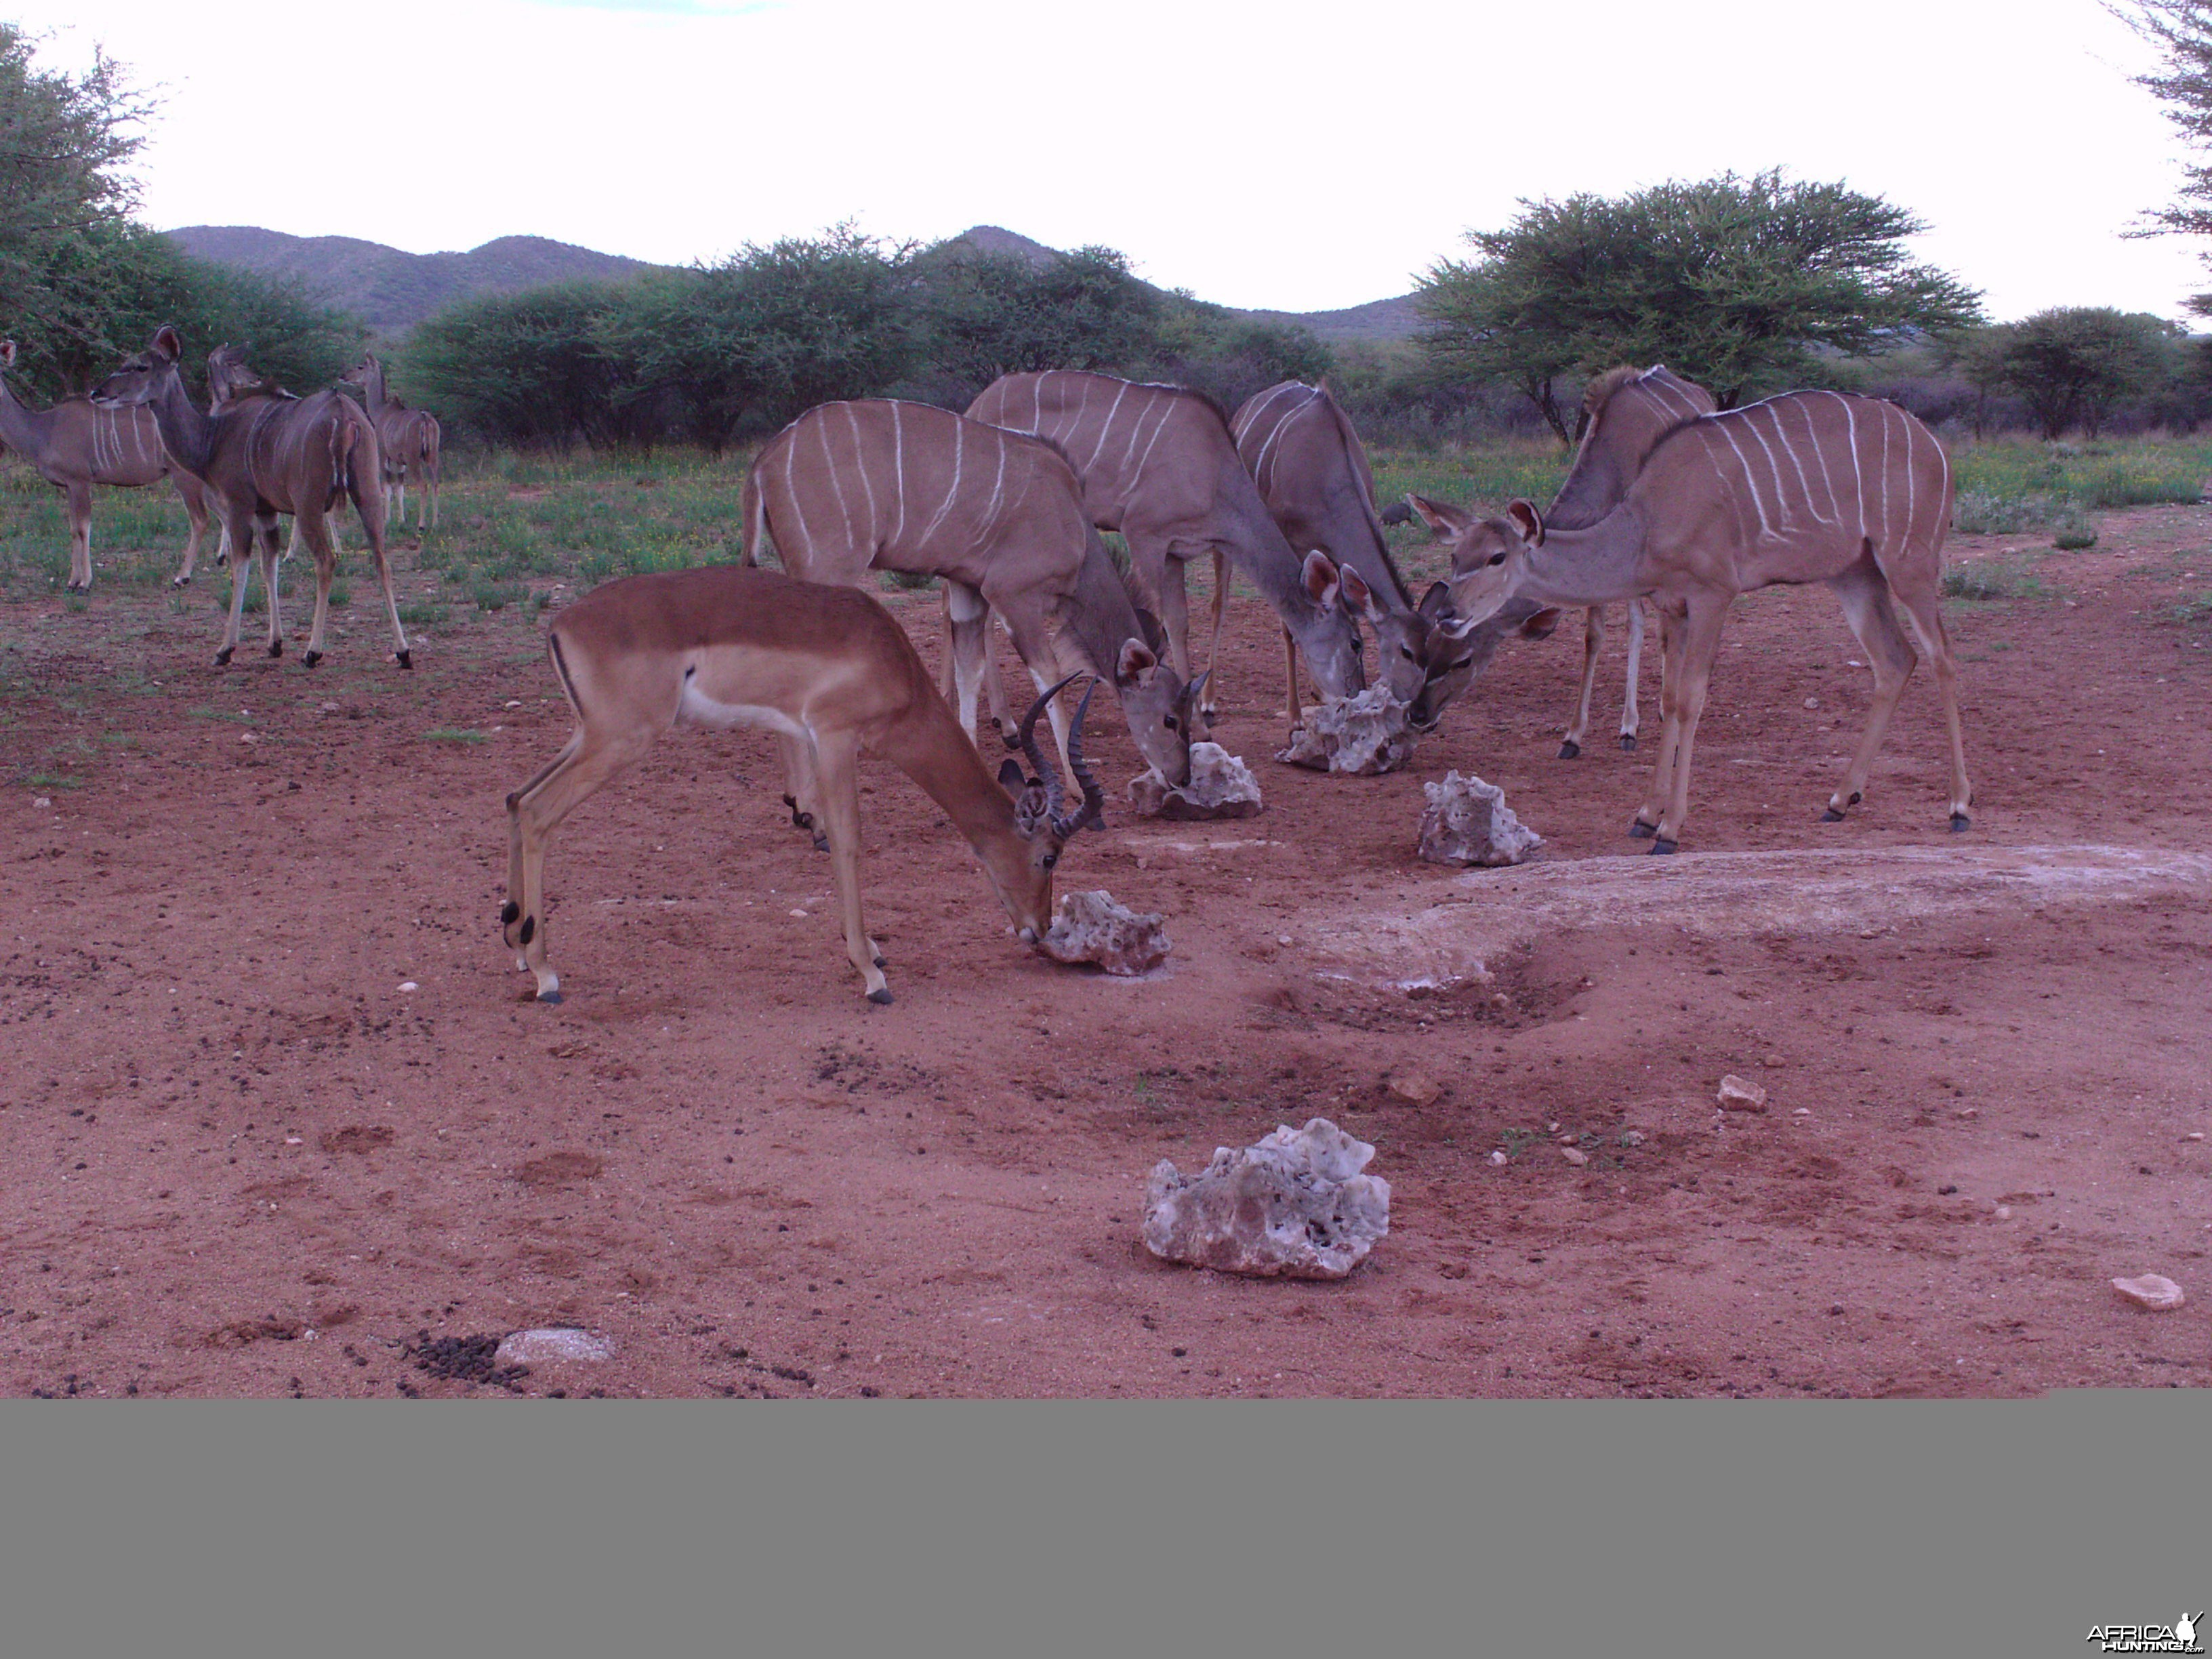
(836, 769)
(80, 523)
(533, 813)
(1864, 594)
(1211, 704)
(805, 796)
(1701, 641)
(1570, 747)
(1628, 717)
(1671, 635)
(510, 913)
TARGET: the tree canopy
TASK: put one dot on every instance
(2071, 365)
(1734, 281)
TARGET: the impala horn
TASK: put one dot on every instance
(1047, 772)
(1094, 798)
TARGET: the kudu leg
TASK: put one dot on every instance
(239, 535)
(80, 523)
(1645, 825)
(319, 530)
(270, 560)
(1629, 721)
(1032, 638)
(836, 771)
(967, 626)
(370, 514)
(1925, 613)
(1701, 639)
(994, 679)
(196, 519)
(534, 811)
(1570, 746)
(1211, 704)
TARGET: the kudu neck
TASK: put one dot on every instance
(1590, 567)
(1103, 614)
(22, 430)
(187, 432)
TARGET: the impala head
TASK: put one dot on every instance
(1041, 819)
(1331, 641)
(141, 378)
(1160, 708)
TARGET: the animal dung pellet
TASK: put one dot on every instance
(2151, 1291)
(1365, 735)
(1221, 787)
(1292, 1206)
(1467, 822)
(1090, 927)
(1738, 1095)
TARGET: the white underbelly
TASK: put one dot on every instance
(697, 708)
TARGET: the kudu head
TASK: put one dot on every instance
(1331, 640)
(230, 377)
(1041, 819)
(1160, 708)
(141, 380)
(1490, 561)
(1401, 637)
(1457, 644)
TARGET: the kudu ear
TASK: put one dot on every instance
(1527, 520)
(1135, 659)
(1436, 605)
(1320, 577)
(1541, 625)
(1448, 523)
(166, 345)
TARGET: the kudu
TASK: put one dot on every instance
(825, 667)
(888, 485)
(1157, 463)
(407, 440)
(259, 452)
(1311, 471)
(74, 445)
(1807, 487)
(1624, 412)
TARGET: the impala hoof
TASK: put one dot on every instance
(1570, 750)
(222, 657)
(406, 659)
(882, 999)
(312, 658)
(1959, 821)
(1831, 816)
(509, 913)
(275, 647)
(1628, 741)
(1660, 844)
(1639, 830)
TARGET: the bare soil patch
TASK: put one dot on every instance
(235, 1157)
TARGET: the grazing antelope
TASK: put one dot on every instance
(74, 445)
(259, 451)
(882, 485)
(825, 667)
(1625, 411)
(1807, 487)
(1311, 472)
(1157, 463)
(408, 440)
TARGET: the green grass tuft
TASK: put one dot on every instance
(455, 734)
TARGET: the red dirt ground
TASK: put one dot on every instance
(240, 1159)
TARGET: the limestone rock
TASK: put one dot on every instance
(1467, 822)
(1738, 1095)
(1365, 735)
(1091, 928)
(1415, 1088)
(1294, 1205)
(2152, 1291)
(1221, 787)
(551, 1344)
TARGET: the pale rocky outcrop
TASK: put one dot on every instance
(1294, 1205)
(1467, 822)
(1090, 927)
(1221, 787)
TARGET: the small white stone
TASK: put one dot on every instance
(1574, 1155)
(1500, 1158)
(1812, 703)
(409, 985)
(1285, 939)
(42, 801)
(552, 1344)
(801, 914)
(1415, 1088)
(2004, 1212)
(2194, 1134)
(2152, 1291)
(1802, 1111)
(514, 702)
(1738, 1095)
(292, 1140)
(332, 708)
(247, 737)
(1631, 1138)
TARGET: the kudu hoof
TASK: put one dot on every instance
(1831, 816)
(882, 962)
(1570, 750)
(406, 659)
(822, 843)
(1639, 830)
(180, 581)
(275, 647)
(222, 657)
(1960, 822)
(549, 996)
(1660, 844)
(312, 658)
(1628, 741)
(882, 999)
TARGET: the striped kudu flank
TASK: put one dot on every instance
(75, 445)
(408, 441)
(1807, 487)
(1307, 461)
(1625, 411)
(831, 673)
(1159, 464)
(888, 485)
(258, 451)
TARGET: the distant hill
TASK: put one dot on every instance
(391, 290)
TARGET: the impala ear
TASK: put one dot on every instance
(1135, 659)
(1448, 523)
(1010, 776)
(1540, 626)
(1527, 520)
(1320, 577)
(166, 345)
(1435, 605)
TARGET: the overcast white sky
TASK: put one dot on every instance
(1288, 154)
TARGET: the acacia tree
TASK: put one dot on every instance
(2181, 30)
(1734, 281)
(2072, 365)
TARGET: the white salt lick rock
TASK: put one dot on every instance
(1366, 734)
(1090, 927)
(1467, 822)
(1221, 787)
(1292, 1206)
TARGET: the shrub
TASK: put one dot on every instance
(1990, 578)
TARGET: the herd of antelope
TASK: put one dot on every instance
(1669, 504)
